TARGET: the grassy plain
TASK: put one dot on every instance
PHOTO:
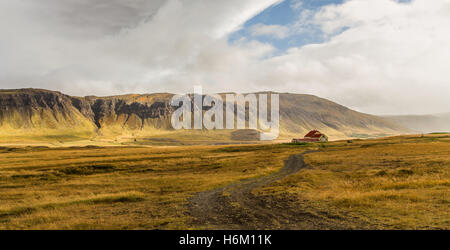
(399, 182)
(119, 187)
(390, 183)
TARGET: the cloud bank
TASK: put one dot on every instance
(380, 56)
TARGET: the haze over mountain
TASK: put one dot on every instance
(424, 123)
(44, 113)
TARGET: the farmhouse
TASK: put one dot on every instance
(312, 136)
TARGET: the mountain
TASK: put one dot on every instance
(302, 113)
(32, 112)
(48, 114)
(424, 123)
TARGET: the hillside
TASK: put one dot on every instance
(41, 112)
(302, 113)
(45, 114)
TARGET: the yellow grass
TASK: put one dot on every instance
(120, 187)
(400, 182)
(394, 183)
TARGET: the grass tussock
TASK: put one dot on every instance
(101, 199)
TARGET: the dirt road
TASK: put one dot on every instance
(235, 207)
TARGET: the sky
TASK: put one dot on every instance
(375, 56)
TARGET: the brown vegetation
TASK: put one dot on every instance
(401, 182)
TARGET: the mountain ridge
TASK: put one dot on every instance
(44, 112)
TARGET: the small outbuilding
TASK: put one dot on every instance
(312, 136)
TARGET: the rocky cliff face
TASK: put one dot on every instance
(124, 112)
(37, 111)
(30, 109)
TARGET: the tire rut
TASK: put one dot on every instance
(235, 207)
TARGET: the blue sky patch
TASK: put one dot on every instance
(285, 14)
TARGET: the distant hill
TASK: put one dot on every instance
(424, 123)
(44, 113)
(302, 113)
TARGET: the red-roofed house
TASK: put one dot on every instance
(312, 136)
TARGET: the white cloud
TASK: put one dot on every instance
(391, 58)
(130, 46)
(296, 4)
(276, 31)
(381, 56)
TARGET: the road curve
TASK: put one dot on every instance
(235, 207)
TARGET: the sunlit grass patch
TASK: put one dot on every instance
(101, 199)
(399, 182)
(92, 187)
